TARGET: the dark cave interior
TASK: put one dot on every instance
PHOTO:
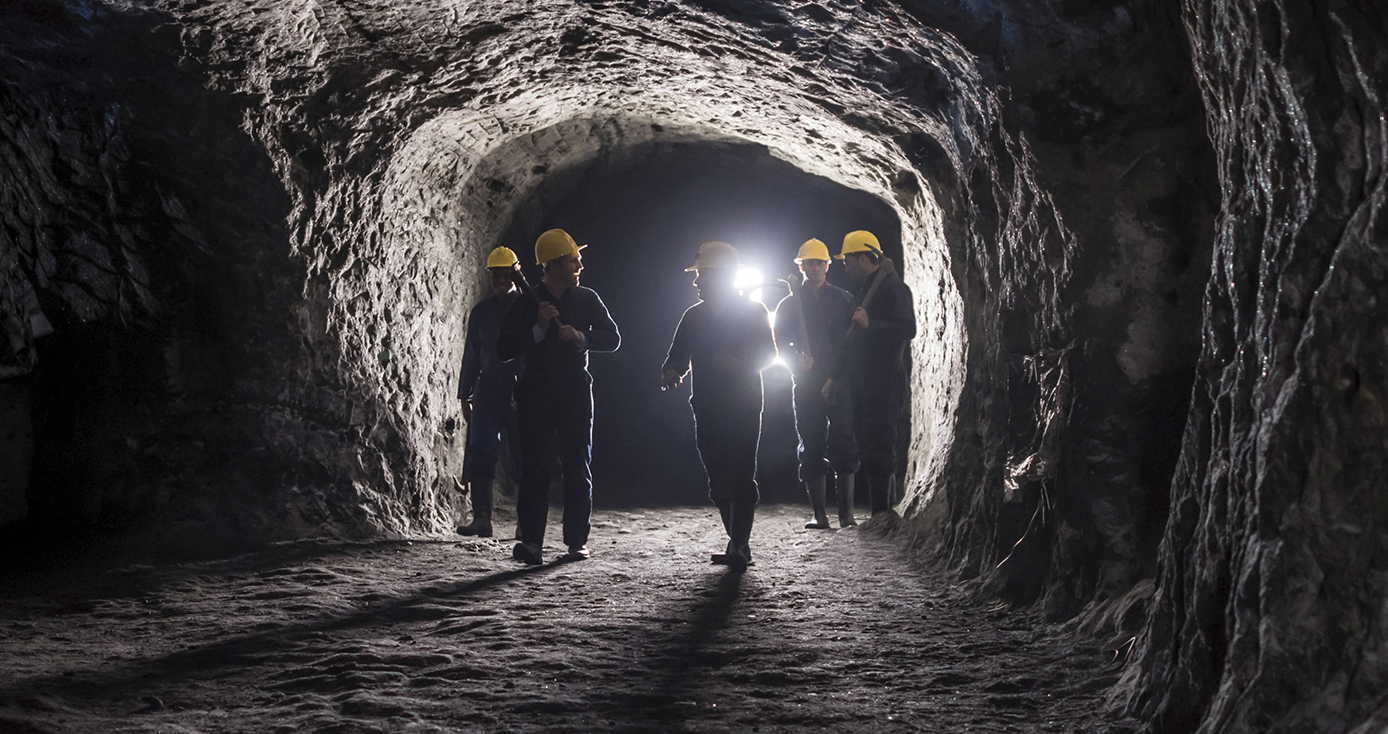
(240, 239)
(642, 221)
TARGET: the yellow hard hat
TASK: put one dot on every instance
(713, 255)
(555, 243)
(859, 241)
(813, 250)
(501, 257)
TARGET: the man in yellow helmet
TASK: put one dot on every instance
(810, 327)
(551, 331)
(486, 387)
(726, 340)
(873, 360)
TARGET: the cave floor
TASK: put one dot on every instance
(830, 630)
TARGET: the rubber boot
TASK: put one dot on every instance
(843, 486)
(724, 510)
(742, 516)
(815, 489)
(481, 525)
(878, 487)
(738, 554)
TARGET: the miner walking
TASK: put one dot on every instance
(726, 340)
(811, 324)
(872, 362)
(486, 387)
(552, 329)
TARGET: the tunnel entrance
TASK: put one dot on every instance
(643, 218)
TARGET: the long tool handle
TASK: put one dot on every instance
(872, 290)
(518, 277)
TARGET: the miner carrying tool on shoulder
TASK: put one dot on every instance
(811, 324)
(726, 340)
(873, 360)
(486, 387)
(552, 328)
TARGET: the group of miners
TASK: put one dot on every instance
(525, 374)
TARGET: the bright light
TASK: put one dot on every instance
(746, 277)
(778, 362)
(749, 278)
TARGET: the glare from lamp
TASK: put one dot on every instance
(746, 277)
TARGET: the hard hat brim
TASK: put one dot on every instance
(556, 257)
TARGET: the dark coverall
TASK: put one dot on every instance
(826, 431)
(727, 404)
(873, 364)
(554, 398)
(490, 384)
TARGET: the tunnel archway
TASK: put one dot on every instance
(528, 172)
(643, 216)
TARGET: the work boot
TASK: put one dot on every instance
(843, 486)
(815, 489)
(878, 487)
(726, 558)
(743, 513)
(725, 512)
(481, 525)
(738, 554)
(528, 553)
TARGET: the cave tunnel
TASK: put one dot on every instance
(641, 211)
(240, 243)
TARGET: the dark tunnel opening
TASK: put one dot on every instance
(643, 219)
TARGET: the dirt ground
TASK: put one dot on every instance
(829, 631)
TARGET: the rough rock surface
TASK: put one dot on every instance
(829, 629)
(1271, 608)
(385, 149)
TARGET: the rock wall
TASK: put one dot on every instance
(1270, 610)
(1090, 226)
(325, 178)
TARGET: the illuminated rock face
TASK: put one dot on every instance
(240, 238)
(1272, 593)
(325, 183)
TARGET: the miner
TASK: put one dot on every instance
(551, 330)
(726, 340)
(872, 361)
(486, 387)
(811, 324)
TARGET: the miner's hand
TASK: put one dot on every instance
(543, 315)
(860, 317)
(830, 391)
(806, 362)
(671, 380)
(570, 334)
